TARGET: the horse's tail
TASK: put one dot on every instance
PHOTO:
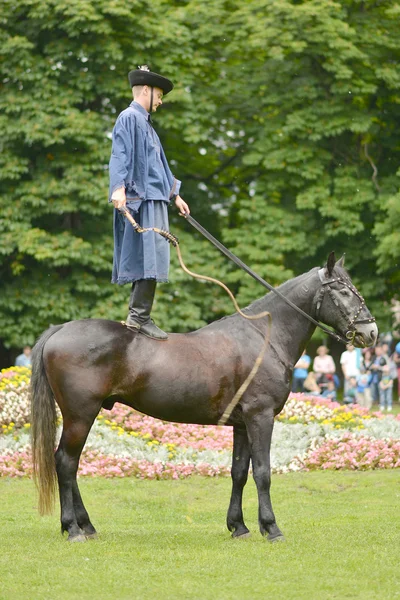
(43, 426)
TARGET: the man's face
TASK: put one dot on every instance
(157, 97)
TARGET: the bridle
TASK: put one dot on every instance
(352, 322)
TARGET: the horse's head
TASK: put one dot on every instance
(341, 305)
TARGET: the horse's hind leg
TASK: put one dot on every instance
(74, 517)
(239, 472)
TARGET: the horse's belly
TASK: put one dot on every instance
(194, 400)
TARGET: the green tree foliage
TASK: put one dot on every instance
(282, 127)
(64, 80)
(323, 94)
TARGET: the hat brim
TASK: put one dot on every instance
(139, 77)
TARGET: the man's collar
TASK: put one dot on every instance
(140, 108)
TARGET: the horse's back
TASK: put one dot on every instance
(187, 378)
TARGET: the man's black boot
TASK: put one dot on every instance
(140, 305)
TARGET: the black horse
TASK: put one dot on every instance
(191, 378)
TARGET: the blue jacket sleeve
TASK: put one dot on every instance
(122, 154)
(175, 184)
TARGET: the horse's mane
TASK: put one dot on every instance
(270, 299)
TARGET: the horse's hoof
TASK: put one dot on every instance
(77, 538)
(241, 534)
(91, 536)
(276, 538)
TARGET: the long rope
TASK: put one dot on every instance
(174, 241)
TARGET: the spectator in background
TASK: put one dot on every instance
(24, 359)
(363, 395)
(385, 389)
(330, 390)
(351, 392)
(393, 366)
(323, 365)
(396, 360)
(385, 351)
(376, 372)
(311, 386)
(367, 359)
(300, 372)
(350, 362)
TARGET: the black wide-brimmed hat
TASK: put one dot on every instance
(143, 76)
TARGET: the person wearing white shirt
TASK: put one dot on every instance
(350, 363)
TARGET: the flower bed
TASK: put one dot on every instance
(354, 453)
(14, 397)
(305, 409)
(201, 437)
(310, 433)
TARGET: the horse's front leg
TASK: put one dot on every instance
(260, 425)
(239, 472)
(81, 513)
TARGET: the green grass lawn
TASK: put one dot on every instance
(167, 540)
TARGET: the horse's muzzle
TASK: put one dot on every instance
(366, 335)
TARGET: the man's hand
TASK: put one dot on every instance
(182, 206)
(119, 198)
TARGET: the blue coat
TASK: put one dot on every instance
(138, 160)
(139, 164)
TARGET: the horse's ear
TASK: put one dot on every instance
(330, 265)
(340, 262)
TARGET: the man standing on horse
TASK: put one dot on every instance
(142, 183)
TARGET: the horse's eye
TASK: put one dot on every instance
(344, 292)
